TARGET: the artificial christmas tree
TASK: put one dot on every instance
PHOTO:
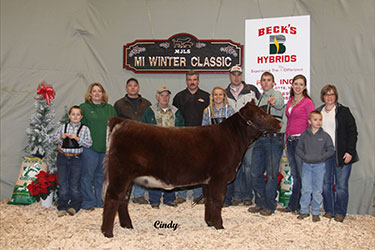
(40, 145)
(42, 125)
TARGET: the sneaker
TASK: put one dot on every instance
(248, 202)
(339, 218)
(180, 200)
(284, 210)
(254, 210)
(61, 213)
(328, 216)
(155, 205)
(172, 204)
(90, 209)
(71, 211)
(236, 202)
(226, 204)
(265, 212)
(199, 200)
(302, 216)
(140, 200)
(315, 218)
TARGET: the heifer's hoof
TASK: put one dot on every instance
(108, 235)
(129, 226)
(209, 224)
(219, 227)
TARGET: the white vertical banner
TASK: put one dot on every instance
(280, 46)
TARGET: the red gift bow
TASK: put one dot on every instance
(46, 91)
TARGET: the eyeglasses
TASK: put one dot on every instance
(327, 95)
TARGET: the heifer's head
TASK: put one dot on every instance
(259, 120)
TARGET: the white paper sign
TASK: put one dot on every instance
(280, 46)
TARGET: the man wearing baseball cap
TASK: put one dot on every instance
(239, 93)
(165, 115)
(132, 106)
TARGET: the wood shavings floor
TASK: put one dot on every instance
(35, 227)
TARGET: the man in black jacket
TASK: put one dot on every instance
(132, 106)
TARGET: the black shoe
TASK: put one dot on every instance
(265, 212)
(236, 202)
(180, 200)
(226, 204)
(155, 205)
(302, 216)
(328, 216)
(140, 200)
(172, 204)
(71, 211)
(199, 200)
(315, 218)
(339, 218)
(284, 210)
(248, 202)
(254, 210)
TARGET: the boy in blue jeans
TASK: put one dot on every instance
(314, 147)
(71, 138)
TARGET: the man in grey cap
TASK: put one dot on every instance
(165, 115)
(239, 93)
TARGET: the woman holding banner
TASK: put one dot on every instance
(297, 110)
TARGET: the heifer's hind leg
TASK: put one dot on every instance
(216, 190)
(113, 199)
(123, 212)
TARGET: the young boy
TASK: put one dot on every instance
(267, 151)
(71, 138)
(314, 147)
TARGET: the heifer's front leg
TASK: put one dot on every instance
(217, 199)
(123, 212)
(207, 205)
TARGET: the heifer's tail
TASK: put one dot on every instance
(106, 179)
(110, 129)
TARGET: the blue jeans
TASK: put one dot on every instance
(69, 177)
(92, 178)
(265, 192)
(336, 203)
(241, 188)
(196, 192)
(295, 163)
(138, 191)
(155, 195)
(312, 187)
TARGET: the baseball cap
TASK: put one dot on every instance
(162, 89)
(235, 68)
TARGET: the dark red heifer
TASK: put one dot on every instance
(160, 157)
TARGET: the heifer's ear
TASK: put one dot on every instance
(252, 101)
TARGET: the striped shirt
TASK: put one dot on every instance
(84, 136)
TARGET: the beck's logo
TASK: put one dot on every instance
(277, 44)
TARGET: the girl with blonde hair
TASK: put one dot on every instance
(218, 109)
